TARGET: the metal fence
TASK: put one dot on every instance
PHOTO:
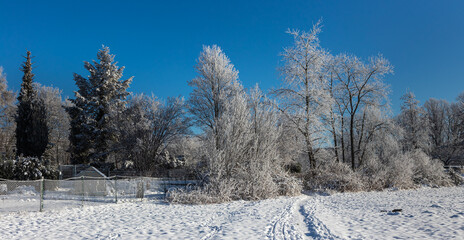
(41, 195)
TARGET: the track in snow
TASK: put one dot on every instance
(297, 221)
(317, 229)
(282, 226)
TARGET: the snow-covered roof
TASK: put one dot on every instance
(90, 172)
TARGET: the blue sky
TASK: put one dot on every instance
(159, 41)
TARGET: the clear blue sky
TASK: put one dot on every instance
(159, 41)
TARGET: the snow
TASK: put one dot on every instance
(427, 213)
(24, 191)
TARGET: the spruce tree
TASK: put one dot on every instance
(31, 126)
(80, 136)
(99, 99)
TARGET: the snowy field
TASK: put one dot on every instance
(427, 213)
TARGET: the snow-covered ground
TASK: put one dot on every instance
(427, 213)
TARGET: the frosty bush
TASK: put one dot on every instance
(428, 171)
(456, 176)
(415, 168)
(399, 172)
(333, 176)
(288, 186)
(374, 174)
(402, 171)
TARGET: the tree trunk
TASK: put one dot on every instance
(334, 136)
(309, 149)
(352, 142)
(343, 140)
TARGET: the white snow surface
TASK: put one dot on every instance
(427, 213)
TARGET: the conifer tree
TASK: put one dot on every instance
(31, 126)
(100, 98)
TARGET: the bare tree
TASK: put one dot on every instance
(358, 86)
(149, 127)
(336, 118)
(436, 112)
(447, 129)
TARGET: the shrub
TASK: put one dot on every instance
(293, 167)
(400, 172)
(428, 171)
(26, 168)
(7, 169)
(333, 176)
(455, 176)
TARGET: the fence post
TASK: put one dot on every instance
(83, 193)
(116, 189)
(143, 188)
(41, 194)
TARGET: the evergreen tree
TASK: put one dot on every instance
(98, 101)
(79, 136)
(31, 125)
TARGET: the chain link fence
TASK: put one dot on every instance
(41, 195)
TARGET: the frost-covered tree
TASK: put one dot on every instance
(57, 122)
(248, 135)
(373, 127)
(7, 121)
(305, 97)
(227, 148)
(414, 122)
(100, 98)
(239, 148)
(335, 121)
(212, 88)
(31, 118)
(359, 85)
(245, 164)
